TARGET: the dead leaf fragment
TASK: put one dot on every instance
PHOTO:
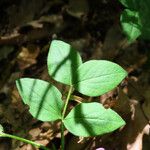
(27, 56)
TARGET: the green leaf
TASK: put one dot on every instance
(1, 130)
(132, 4)
(144, 14)
(135, 19)
(131, 24)
(43, 98)
(62, 62)
(97, 77)
(91, 119)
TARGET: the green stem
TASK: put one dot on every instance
(62, 137)
(24, 140)
(63, 116)
(66, 103)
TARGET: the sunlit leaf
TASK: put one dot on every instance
(44, 99)
(62, 62)
(91, 119)
(97, 77)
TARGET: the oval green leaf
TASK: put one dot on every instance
(97, 77)
(62, 62)
(91, 119)
(44, 99)
(130, 21)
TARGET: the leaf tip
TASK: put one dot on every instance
(1, 130)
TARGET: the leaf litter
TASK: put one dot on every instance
(24, 54)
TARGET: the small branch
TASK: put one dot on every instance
(66, 103)
(63, 116)
(24, 140)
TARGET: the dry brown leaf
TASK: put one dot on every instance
(27, 56)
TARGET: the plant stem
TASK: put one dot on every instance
(66, 103)
(24, 140)
(62, 137)
(63, 116)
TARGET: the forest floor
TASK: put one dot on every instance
(93, 28)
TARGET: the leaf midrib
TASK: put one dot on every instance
(88, 118)
(91, 78)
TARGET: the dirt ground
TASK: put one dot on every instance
(26, 29)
